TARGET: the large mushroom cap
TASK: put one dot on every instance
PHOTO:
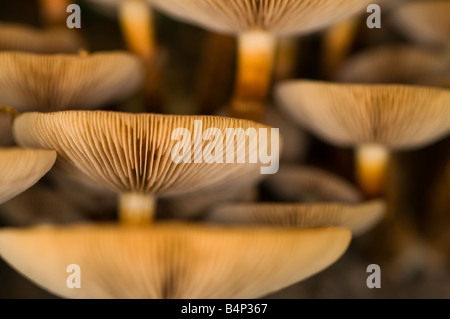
(426, 22)
(171, 260)
(21, 169)
(281, 17)
(359, 218)
(6, 118)
(15, 37)
(31, 82)
(392, 64)
(397, 116)
(133, 152)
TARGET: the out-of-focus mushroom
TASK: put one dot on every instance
(16, 37)
(53, 12)
(257, 23)
(392, 64)
(142, 155)
(22, 168)
(171, 260)
(308, 184)
(7, 115)
(359, 217)
(425, 22)
(57, 82)
(375, 119)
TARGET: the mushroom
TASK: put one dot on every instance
(55, 82)
(392, 64)
(303, 183)
(16, 37)
(142, 155)
(7, 115)
(375, 119)
(359, 218)
(257, 23)
(425, 22)
(170, 260)
(53, 12)
(22, 168)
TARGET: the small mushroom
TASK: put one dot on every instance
(425, 22)
(133, 154)
(392, 64)
(56, 82)
(375, 119)
(6, 118)
(309, 184)
(257, 23)
(16, 37)
(171, 260)
(359, 218)
(22, 168)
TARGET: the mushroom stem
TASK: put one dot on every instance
(136, 20)
(337, 43)
(256, 55)
(371, 168)
(53, 12)
(136, 208)
(286, 58)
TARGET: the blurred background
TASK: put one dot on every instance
(412, 244)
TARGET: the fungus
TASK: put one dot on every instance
(56, 82)
(132, 154)
(22, 168)
(374, 119)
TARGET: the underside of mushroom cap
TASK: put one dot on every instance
(308, 184)
(392, 64)
(171, 260)
(36, 82)
(396, 116)
(282, 17)
(22, 168)
(16, 37)
(359, 217)
(426, 22)
(135, 152)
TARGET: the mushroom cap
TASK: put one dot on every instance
(16, 37)
(133, 152)
(391, 64)
(36, 82)
(426, 22)
(171, 260)
(397, 116)
(359, 218)
(6, 118)
(303, 183)
(441, 80)
(281, 17)
(22, 168)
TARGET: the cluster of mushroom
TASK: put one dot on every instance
(232, 250)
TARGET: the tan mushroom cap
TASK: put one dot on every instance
(6, 118)
(282, 17)
(397, 116)
(171, 260)
(391, 64)
(16, 37)
(22, 168)
(359, 218)
(133, 152)
(426, 22)
(304, 183)
(30, 82)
